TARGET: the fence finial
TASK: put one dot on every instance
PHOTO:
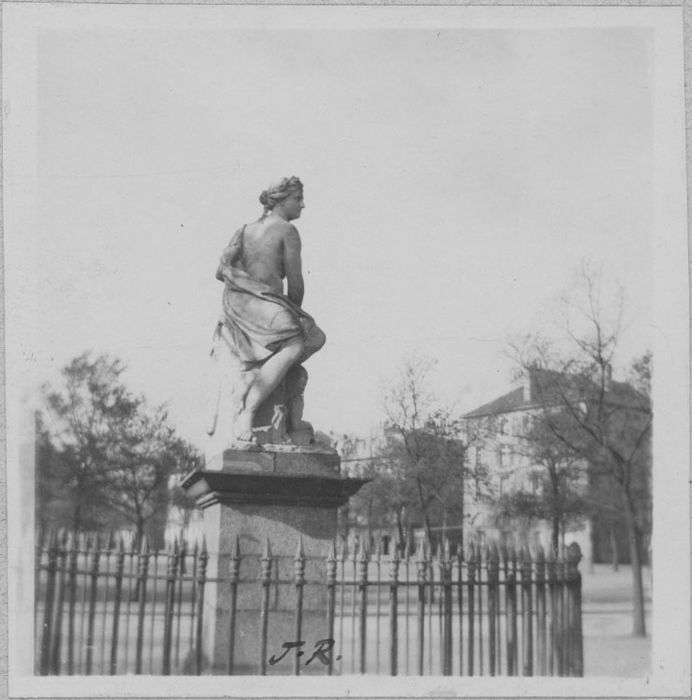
(540, 554)
(446, 551)
(574, 554)
(472, 553)
(300, 550)
(235, 548)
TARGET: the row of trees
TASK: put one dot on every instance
(587, 440)
(105, 458)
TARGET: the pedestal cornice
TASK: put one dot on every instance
(227, 487)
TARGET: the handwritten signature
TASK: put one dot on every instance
(322, 651)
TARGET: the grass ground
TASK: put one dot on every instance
(609, 647)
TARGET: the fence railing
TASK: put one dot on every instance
(108, 607)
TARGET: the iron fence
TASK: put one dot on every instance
(109, 607)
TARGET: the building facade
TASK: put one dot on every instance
(509, 476)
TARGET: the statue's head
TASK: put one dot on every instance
(281, 190)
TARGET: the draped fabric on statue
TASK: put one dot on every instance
(258, 319)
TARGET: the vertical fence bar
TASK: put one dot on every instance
(440, 613)
(342, 558)
(72, 600)
(493, 577)
(47, 630)
(460, 604)
(93, 590)
(511, 611)
(421, 565)
(363, 590)
(233, 575)
(498, 617)
(527, 611)
(576, 661)
(171, 567)
(354, 556)
(131, 593)
(553, 650)
(195, 561)
(331, 600)
(104, 599)
(446, 570)
(566, 638)
(393, 612)
(515, 611)
(201, 581)
(504, 554)
(152, 618)
(38, 564)
(182, 569)
(541, 646)
(378, 573)
(119, 570)
(142, 574)
(560, 574)
(57, 625)
(299, 579)
(481, 559)
(407, 603)
(431, 600)
(266, 562)
(471, 582)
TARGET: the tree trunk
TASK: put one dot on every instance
(555, 534)
(426, 519)
(635, 547)
(614, 550)
(369, 525)
(400, 530)
(77, 518)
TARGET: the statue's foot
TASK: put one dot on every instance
(242, 431)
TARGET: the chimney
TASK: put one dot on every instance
(526, 385)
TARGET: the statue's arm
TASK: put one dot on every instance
(293, 266)
(230, 254)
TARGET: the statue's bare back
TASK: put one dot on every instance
(263, 251)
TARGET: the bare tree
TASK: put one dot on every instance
(425, 442)
(604, 422)
(560, 481)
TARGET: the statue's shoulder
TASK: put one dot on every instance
(282, 230)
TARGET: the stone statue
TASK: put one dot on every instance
(265, 332)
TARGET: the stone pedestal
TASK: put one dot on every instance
(280, 495)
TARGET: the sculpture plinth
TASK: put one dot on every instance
(284, 496)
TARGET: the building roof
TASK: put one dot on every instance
(545, 387)
(504, 404)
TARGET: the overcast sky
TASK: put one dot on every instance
(454, 180)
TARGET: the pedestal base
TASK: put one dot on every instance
(283, 497)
